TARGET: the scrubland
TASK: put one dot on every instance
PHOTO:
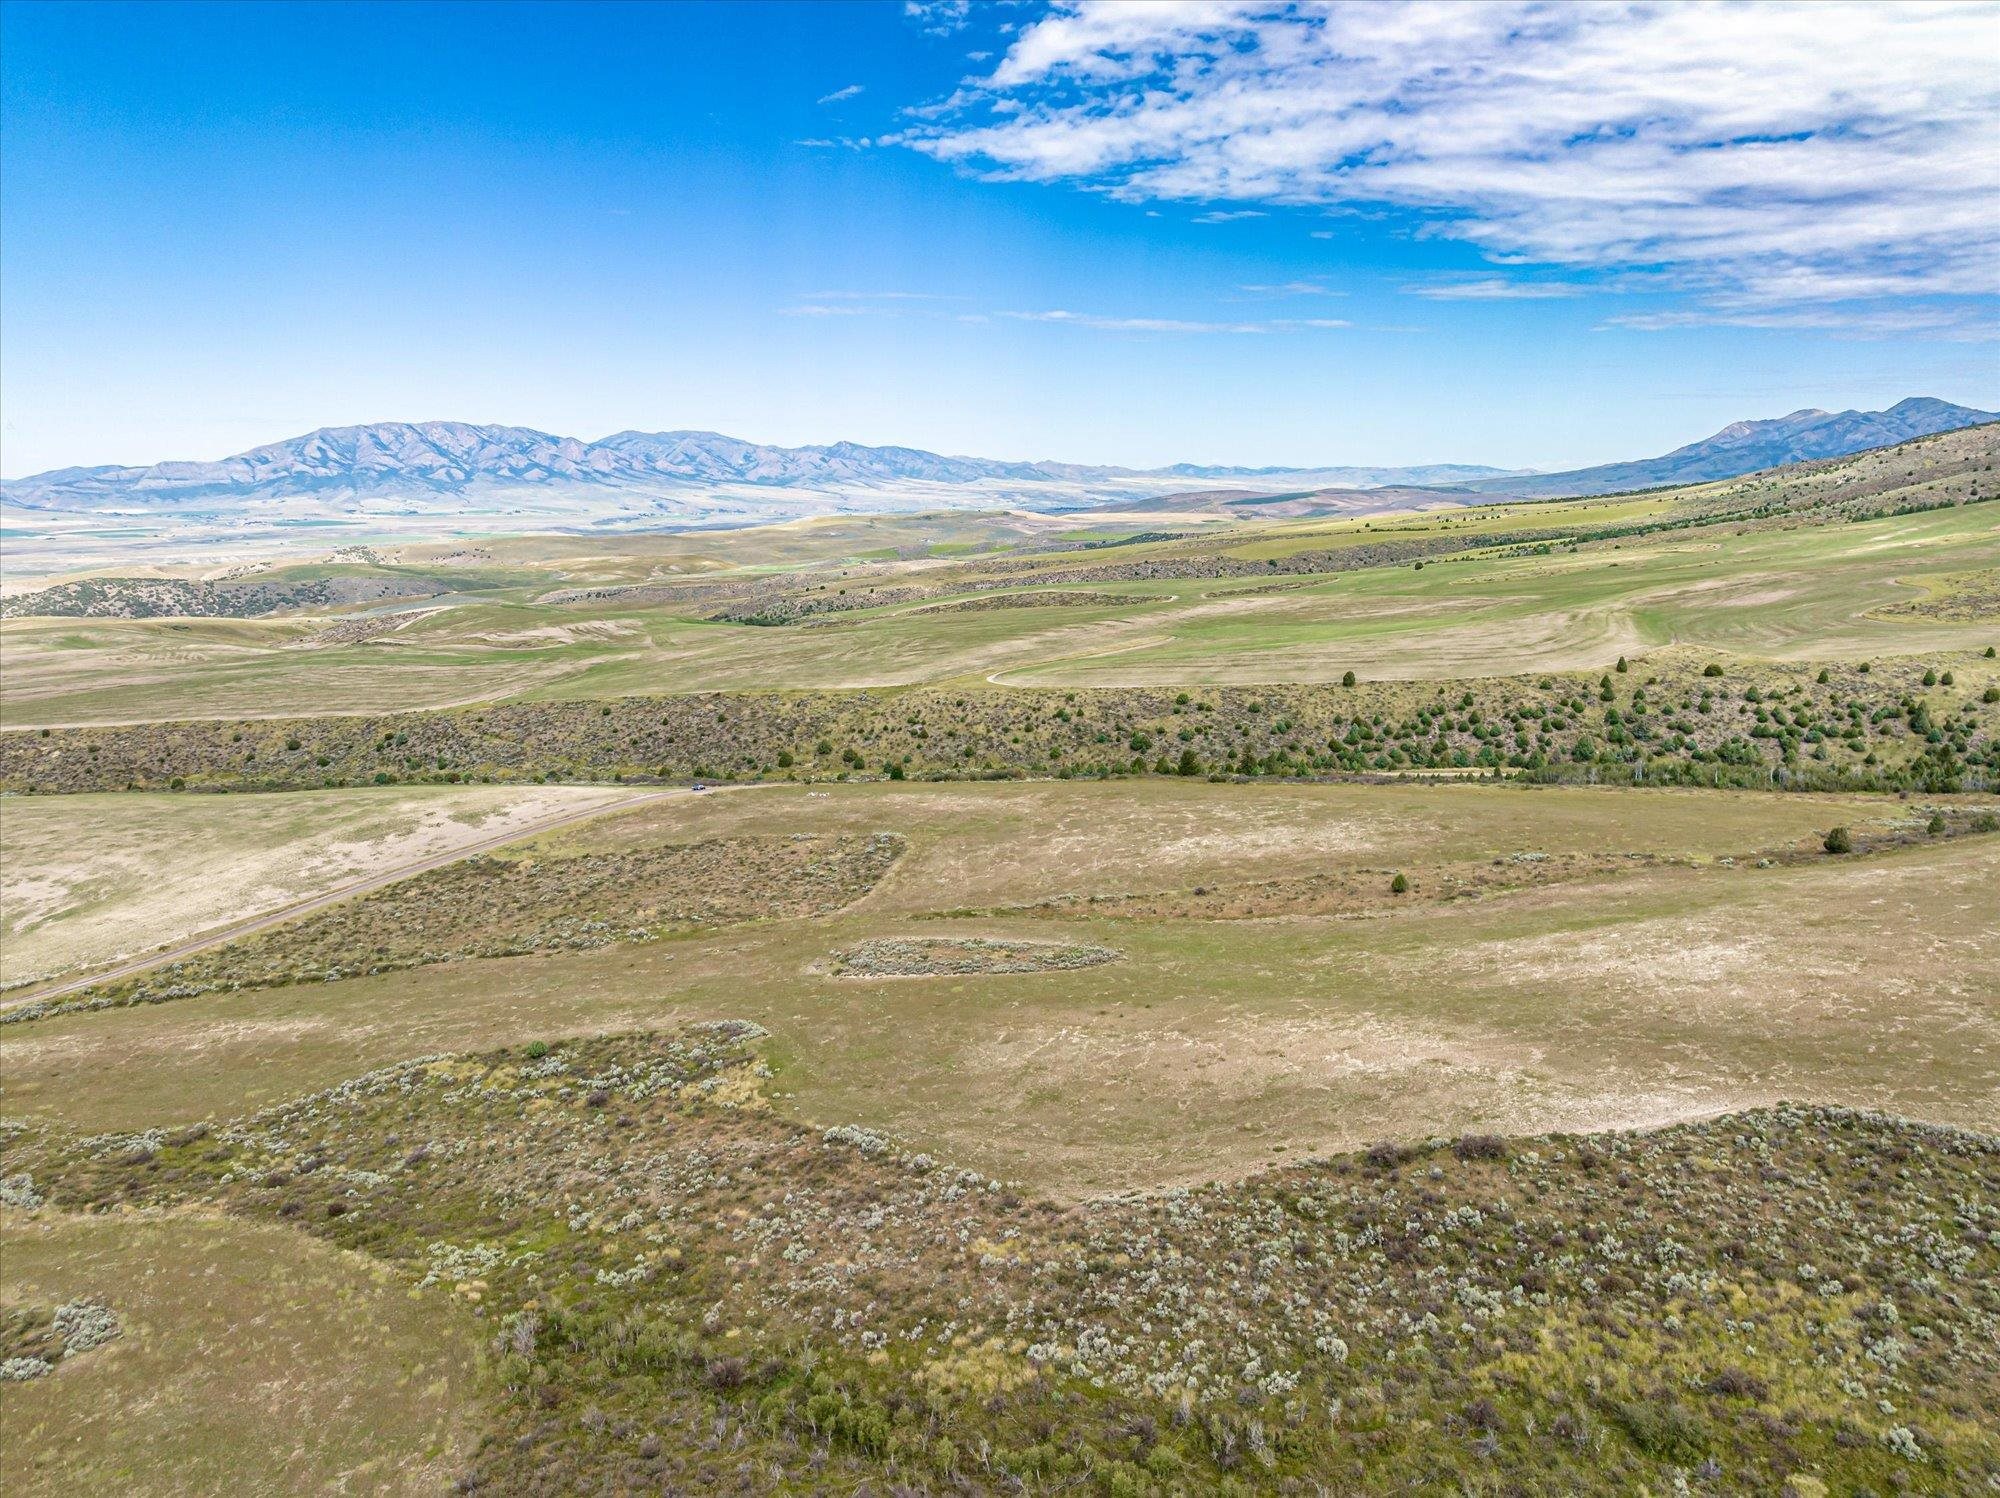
(1214, 1009)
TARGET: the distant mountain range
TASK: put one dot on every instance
(1748, 446)
(516, 475)
(426, 462)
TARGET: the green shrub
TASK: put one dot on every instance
(1399, 885)
(1660, 1428)
(1838, 841)
(1347, 678)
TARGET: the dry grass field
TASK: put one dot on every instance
(90, 879)
(1496, 1001)
(1628, 962)
(247, 1360)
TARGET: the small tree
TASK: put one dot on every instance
(1400, 885)
(1189, 765)
(1838, 841)
(1347, 678)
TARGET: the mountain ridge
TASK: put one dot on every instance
(1749, 447)
(439, 467)
(419, 459)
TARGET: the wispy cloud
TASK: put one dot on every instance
(883, 296)
(1228, 216)
(1292, 288)
(840, 94)
(1754, 154)
(868, 304)
(1494, 289)
(1173, 324)
(939, 17)
(828, 309)
(835, 142)
(1955, 324)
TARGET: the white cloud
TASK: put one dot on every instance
(1173, 324)
(829, 309)
(1494, 289)
(1228, 216)
(1292, 288)
(1759, 153)
(1955, 324)
(866, 304)
(939, 17)
(840, 94)
(882, 296)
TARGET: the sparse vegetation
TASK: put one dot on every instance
(990, 1109)
(673, 1279)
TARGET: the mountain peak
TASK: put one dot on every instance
(1748, 446)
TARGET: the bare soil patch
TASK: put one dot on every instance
(961, 956)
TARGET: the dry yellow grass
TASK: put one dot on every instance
(86, 880)
(251, 1359)
(1660, 987)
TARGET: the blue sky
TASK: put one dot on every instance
(1144, 234)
